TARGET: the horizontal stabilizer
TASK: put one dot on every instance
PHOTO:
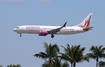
(87, 29)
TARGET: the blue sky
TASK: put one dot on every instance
(20, 50)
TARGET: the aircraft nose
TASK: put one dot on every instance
(14, 29)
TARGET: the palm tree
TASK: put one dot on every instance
(97, 52)
(1, 65)
(51, 51)
(56, 63)
(46, 64)
(13, 65)
(102, 64)
(73, 54)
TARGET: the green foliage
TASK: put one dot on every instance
(56, 63)
(50, 53)
(73, 54)
(96, 53)
(102, 64)
(51, 50)
(1, 65)
(13, 65)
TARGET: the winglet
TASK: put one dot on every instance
(64, 24)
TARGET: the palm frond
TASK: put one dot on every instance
(41, 54)
(102, 64)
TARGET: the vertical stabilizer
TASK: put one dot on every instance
(86, 22)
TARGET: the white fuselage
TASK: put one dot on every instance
(59, 30)
(35, 29)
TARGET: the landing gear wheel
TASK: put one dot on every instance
(52, 36)
(20, 35)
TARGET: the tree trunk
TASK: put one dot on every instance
(71, 64)
(50, 61)
(97, 62)
(74, 64)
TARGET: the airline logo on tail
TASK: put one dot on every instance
(86, 25)
(86, 22)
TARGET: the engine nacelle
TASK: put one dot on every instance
(43, 33)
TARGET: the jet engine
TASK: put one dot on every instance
(43, 33)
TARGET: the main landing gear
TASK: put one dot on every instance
(52, 35)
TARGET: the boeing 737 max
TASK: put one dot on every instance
(52, 30)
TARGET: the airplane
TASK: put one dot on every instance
(43, 30)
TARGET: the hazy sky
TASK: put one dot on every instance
(20, 50)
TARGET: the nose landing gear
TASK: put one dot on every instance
(20, 35)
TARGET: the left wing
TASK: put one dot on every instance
(54, 31)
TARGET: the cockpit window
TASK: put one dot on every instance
(17, 27)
